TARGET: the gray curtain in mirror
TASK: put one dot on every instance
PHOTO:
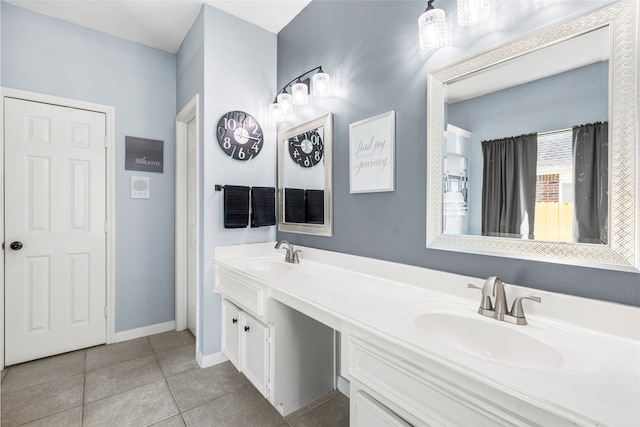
(591, 181)
(509, 186)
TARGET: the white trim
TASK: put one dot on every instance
(344, 385)
(110, 127)
(145, 331)
(210, 359)
(183, 118)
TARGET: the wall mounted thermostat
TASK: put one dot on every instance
(140, 187)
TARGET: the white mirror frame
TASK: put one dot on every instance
(622, 252)
(325, 229)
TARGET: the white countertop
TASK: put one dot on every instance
(600, 387)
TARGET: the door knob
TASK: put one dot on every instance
(16, 246)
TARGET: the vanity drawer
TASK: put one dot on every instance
(430, 395)
(250, 296)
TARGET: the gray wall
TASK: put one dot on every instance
(562, 101)
(50, 56)
(232, 65)
(371, 49)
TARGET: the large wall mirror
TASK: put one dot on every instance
(533, 146)
(305, 177)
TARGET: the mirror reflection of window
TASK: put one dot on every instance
(554, 187)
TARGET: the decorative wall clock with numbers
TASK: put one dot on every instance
(240, 135)
(306, 149)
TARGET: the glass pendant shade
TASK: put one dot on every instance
(285, 103)
(274, 111)
(471, 12)
(300, 94)
(431, 26)
(321, 85)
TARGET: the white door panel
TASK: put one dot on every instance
(55, 205)
(255, 352)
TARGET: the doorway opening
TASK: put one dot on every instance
(187, 232)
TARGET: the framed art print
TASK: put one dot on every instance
(372, 154)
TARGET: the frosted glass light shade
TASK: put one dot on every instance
(300, 94)
(431, 26)
(471, 12)
(285, 103)
(274, 111)
(321, 85)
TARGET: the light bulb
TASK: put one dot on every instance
(285, 103)
(300, 94)
(274, 111)
(471, 12)
(431, 26)
(321, 85)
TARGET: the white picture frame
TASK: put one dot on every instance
(372, 154)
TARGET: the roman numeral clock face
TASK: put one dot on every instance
(306, 149)
(240, 135)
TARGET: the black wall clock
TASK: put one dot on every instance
(240, 135)
(306, 149)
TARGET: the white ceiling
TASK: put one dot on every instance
(162, 24)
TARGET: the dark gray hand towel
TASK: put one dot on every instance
(293, 205)
(263, 206)
(314, 207)
(236, 206)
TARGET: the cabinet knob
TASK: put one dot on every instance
(246, 329)
(234, 320)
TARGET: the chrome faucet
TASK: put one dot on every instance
(292, 255)
(494, 287)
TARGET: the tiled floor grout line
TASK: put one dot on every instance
(155, 355)
(84, 387)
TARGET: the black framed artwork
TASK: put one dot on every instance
(143, 154)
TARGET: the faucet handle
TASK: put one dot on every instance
(518, 312)
(296, 256)
(485, 303)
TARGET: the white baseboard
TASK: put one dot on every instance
(343, 385)
(210, 359)
(144, 331)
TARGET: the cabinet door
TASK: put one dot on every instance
(231, 332)
(371, 413)
(255, 353)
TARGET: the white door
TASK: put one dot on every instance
(231, 333)
(55, 207)
(254, 353)
(192, 223)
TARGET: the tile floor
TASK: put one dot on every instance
(153, 380)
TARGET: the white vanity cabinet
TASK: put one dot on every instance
(369, 412)
(246, 342)
(396, 387)
(286, 355)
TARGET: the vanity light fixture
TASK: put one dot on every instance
(300, 93)
(471, 12)
(431, 26)
(283, 106)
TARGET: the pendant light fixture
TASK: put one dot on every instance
(431, 26)
(471, 12)
(282, 107)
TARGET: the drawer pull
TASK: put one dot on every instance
(246, 329)
(234, 320)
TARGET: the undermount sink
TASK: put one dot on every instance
(461, 329)
(268, 264)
